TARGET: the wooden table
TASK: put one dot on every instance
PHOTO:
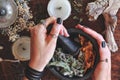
(39, 9)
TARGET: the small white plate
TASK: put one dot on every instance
(59, 8)
(21, 49)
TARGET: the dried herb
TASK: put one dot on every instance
(78, 18)
(67, 64)
(78, 7)
(23, 21)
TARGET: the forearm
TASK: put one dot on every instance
(104, 72)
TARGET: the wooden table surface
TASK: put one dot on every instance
(39, 9)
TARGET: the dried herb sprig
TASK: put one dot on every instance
(78, 7)
(22, 22)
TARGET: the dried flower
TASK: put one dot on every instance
(78, 7)
(22, 22)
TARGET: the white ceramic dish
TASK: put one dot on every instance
(59, 8)
(21, 49)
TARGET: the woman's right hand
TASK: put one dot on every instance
(103, 69)
(42, 44)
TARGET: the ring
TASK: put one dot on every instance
(105, 60)
(43, 22)
(53, 35)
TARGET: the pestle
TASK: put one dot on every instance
(66, 43)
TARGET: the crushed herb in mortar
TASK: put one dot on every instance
(74, 66)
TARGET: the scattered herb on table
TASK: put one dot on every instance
(22, 22)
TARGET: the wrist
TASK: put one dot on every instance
(32, 74)
(37, 65)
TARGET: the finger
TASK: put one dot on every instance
(38, 31)
(61, 32)
(89, 31)
(44, 23)
(52, 37)
(50, 20)
(65, 32)
(39, 28)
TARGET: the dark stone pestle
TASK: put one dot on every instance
(70, 46)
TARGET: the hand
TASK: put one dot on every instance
(42, 44)
(103, 69)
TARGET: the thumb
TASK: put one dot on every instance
(52, 37)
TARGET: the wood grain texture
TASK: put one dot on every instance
(96, 25)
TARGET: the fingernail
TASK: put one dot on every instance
(59, 20)
(103, 44)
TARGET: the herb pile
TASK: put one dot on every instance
(71, 66)
(67, 64)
